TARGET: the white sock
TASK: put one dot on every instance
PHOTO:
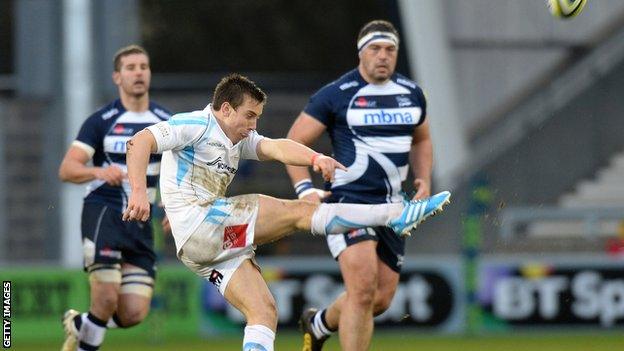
(319, 326)
(111, 324)
(258, 338)
(340, 218)
(91, 333)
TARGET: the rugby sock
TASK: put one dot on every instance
(340, 218)
(112, 323)
(319, 325)
(78, 321)
(258, 338)
(91, 333)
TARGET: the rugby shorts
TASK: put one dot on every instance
(390, 247)
(217, 248)
(109, 240)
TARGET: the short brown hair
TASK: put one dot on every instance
(377, 26)
(125, 51)
(233, 88)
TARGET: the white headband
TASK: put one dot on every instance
(373, 37)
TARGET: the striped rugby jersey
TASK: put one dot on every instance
(103, 136)
(371, 128)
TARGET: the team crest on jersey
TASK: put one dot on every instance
(235, 236)
(362, 102)
(215, 278)
(119, 129)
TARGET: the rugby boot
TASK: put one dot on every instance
(71, 334)
(310, 342)
(416, 211)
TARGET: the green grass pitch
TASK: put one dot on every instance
(386, 341)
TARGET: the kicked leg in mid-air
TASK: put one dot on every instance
(222, 249)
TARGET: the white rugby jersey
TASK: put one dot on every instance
(198, 163)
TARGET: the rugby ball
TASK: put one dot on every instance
(565, 8)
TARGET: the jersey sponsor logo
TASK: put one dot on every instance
(386, 116)
(120, 129)
(383, 117)
(221, 166)
(234, 236)
(347, 85)
(215, 278)
(215, 144)
(110, 113)
(119, 146)
(115, 143)
(362, 102)
(403, 101)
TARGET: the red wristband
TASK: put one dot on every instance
(314, 158)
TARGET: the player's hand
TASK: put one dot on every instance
(112, 175)
(422, 187)
(327, 167)
(315, 195)
(138, 207)
(166, 226)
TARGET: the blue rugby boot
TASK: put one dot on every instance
(416, 211)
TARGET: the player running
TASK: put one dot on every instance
(118, 256)
(377, 123)
(216, 235)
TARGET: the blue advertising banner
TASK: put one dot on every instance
(565, 291)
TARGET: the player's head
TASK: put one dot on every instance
(378, 46)
(131, 71)
(238, 102)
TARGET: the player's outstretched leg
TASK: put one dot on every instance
(277, 217)
(401, 218)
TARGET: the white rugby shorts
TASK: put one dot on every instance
(221, 243)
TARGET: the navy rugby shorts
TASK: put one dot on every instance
(109, 240)
(390, 247)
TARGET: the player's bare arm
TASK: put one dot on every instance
(138, 152)
(74, 169)
(292, 153)
(421, 160)
(306, 130)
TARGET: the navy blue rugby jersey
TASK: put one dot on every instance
(371, 128)
(104, 135)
